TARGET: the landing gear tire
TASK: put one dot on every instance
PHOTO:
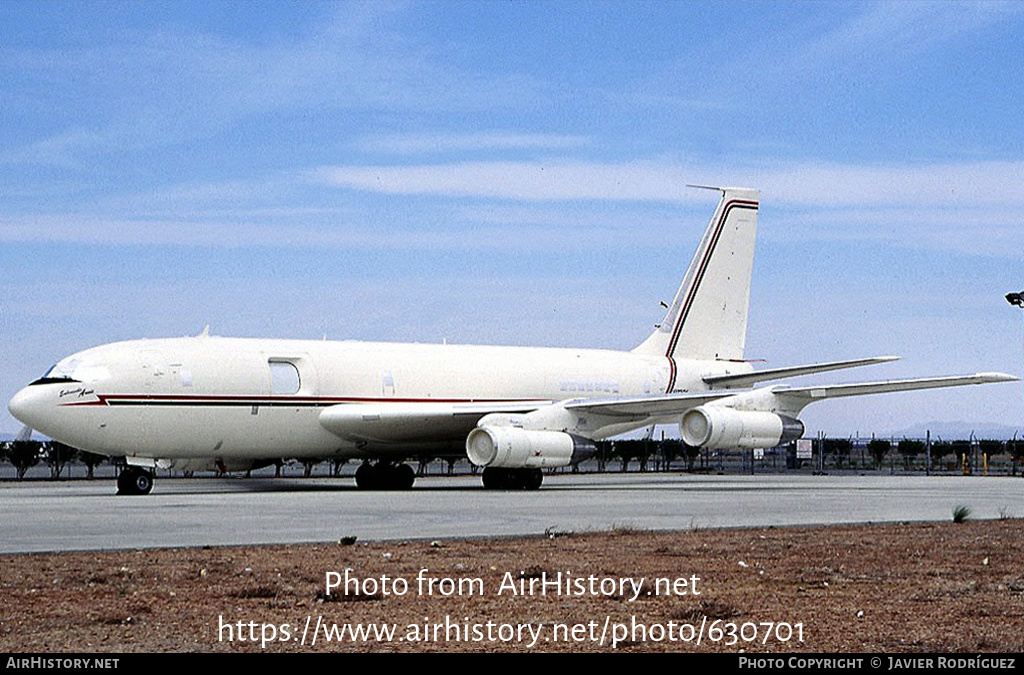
(494, 479)
(404, 477)
(385, 476)
(365, 475)
(512, 479)
(530, 479)
(134, 480)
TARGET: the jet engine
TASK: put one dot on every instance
(718, 427)
(513, 448)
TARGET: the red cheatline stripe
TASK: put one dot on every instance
(240, 400)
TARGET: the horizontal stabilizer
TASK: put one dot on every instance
(747, 379)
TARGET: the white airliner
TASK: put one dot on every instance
(230, 404)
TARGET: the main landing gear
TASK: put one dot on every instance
(134, 480)
(384, 476)
(512, 479)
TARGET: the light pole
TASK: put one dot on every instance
(1017, 300)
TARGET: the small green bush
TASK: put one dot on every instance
(961, 513)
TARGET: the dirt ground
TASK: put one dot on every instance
(934, 587)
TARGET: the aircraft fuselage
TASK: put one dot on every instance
(212, 398)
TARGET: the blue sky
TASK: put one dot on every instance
(513, 173)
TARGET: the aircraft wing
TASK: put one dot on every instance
(792, 399)
(397, 422)
(816, 393)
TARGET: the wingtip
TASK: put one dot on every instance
(996, 377)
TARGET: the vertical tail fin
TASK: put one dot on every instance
(708, 317)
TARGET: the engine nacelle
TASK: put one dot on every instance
(718, 427)
(515, 448)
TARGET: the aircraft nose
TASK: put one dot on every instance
(27, 406)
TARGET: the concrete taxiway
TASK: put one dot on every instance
(82, 515)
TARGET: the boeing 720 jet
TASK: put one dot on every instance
(210, 402)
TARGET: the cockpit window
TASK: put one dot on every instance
(74, 370)
(52, 380)
(58, 372)
(61, 369)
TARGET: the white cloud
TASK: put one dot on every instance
(806, 184)
(555, 180)
(139, 90)
(469, 142)
(971, 184)
(59, 150)
(972, 207)
(886, 31)
(213, 233)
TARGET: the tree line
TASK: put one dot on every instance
(23, 455)
(909, 453)
(644, 454)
